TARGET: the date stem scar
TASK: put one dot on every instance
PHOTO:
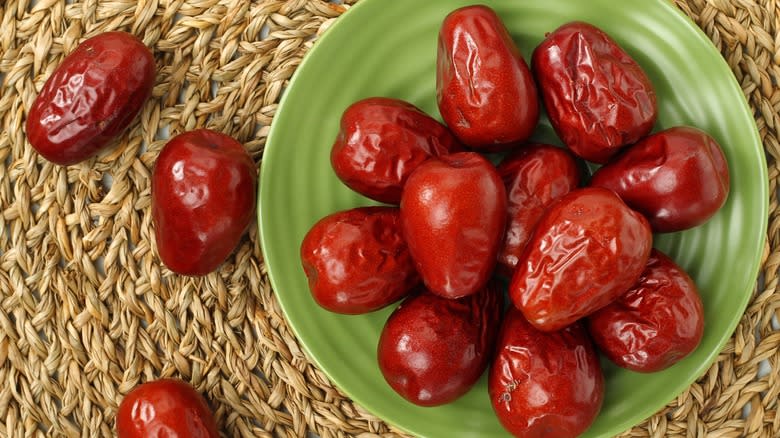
(506, 396)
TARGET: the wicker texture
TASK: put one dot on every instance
(87, 311)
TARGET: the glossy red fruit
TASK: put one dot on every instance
(165, 408)
(357, 261)
(545, 384)
(432, 349)
(597, 97)
(453, 211)
(659, 321)
(588, 249)
(203, 199)
(484, 88)
(91, 98)
(381, 141)
(534, 176)
(678, 178)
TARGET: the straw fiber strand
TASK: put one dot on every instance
(79, 277)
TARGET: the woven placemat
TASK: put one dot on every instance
(87, 311)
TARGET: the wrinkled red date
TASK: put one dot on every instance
(485, 90)
(91, 98)
(678, 178)
(168, 408)
(534, 176)
(203, 199)
(545, 384)
(432, 349)
(659, 321)
(381, 141)
(453, 212)
(356, 261)
(597, 97)
(586, 250)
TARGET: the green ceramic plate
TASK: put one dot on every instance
(388, 48)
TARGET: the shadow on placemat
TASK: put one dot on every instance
(87, 312)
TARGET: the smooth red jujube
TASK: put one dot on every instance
(203, 200)
(168, 408)
(654, 325)
(534, 176)
(453, 213)
(91, 98)
(432, 350)
(545, 384)
(678, 178)
(588, 249)
(381, 141)
(597, 96)
(356, 261)
(484, 88)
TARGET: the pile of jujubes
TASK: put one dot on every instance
(578, 255)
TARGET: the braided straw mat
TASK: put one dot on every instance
(87, 311)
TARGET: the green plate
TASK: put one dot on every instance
(389, 49)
